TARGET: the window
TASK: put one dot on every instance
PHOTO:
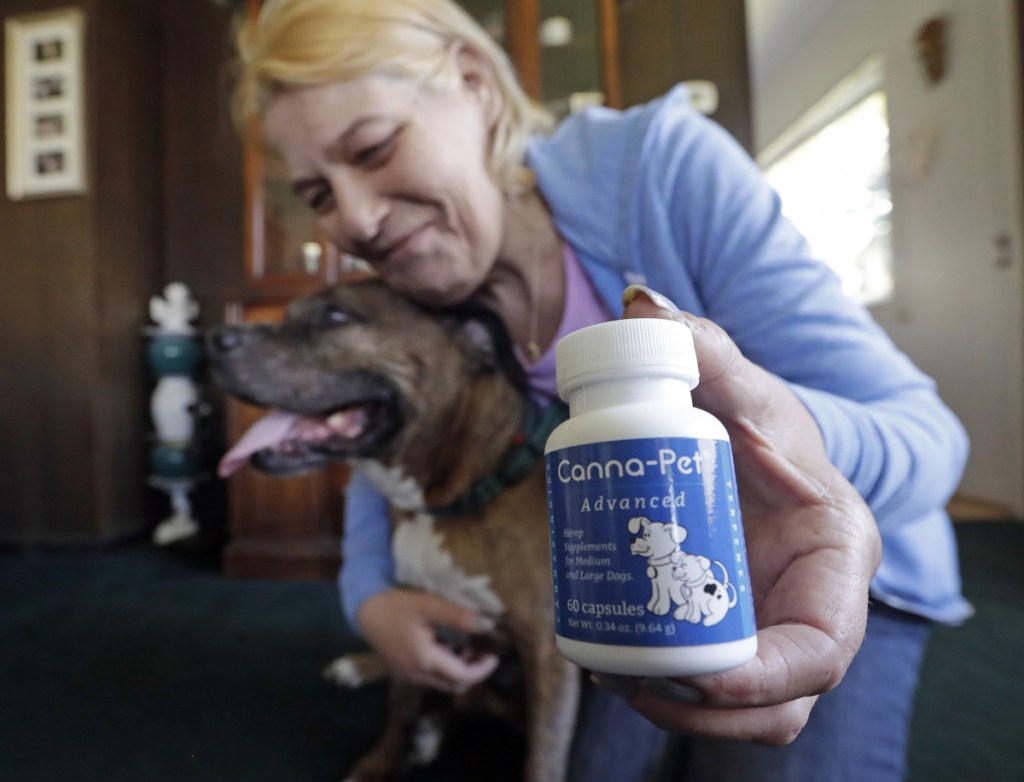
(831, 171)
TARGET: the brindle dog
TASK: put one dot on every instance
(426, 404)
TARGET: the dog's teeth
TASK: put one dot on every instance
(340, 423)
(347, 423)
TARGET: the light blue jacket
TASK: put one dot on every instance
(661, 195)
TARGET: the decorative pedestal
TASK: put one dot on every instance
(174, 354)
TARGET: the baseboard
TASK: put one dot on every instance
(964, 508)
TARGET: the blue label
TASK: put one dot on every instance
(647, 543)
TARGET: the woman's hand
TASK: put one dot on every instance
(402, 627)
(812, 546)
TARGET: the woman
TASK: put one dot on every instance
(403, 127)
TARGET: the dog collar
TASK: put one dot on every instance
(525, 448)
(663, 560)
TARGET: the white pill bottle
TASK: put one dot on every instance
(648, 556)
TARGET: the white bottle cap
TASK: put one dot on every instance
(634, 347)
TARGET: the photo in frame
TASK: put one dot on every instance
(45, 86)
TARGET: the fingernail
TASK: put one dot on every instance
(671, 690)
(656, 298)
(622, 686)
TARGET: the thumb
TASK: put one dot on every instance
(732, 388)
(720, 361)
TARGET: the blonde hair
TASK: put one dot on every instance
(297, 43)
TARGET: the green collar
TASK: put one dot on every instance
(525, 447)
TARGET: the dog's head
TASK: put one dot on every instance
(356, 371)
(692, 569)
(655, 539)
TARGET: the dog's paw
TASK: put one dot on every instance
(427, 737)
(355, 670)
(343, 672)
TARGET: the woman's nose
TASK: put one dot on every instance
(359, 213)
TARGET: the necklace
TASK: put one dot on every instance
(533, 351)
(538, 232)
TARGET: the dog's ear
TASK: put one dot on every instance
(478, 342)
(482, 334)
(636, 522)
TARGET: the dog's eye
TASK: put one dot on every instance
(335, 316)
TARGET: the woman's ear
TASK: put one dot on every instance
(479, 80)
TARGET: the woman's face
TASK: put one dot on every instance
(398, 176)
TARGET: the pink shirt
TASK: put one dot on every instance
(583, 307)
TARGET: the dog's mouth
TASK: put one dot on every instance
(283, 442)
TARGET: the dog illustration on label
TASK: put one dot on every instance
(684, 580)
(658, 543)
(704, 596)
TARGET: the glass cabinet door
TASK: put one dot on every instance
(513, 24)
(565, 51)
(570, 55)
(491, 16)
(285, 241)
(284, 244)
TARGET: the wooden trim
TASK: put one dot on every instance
(252, 174)
(965, 507)
(316, 559)
(1019, 14)
(611, 70)
(522, 21)
(253, 184)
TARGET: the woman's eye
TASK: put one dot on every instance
(320, 200)
(376, 154)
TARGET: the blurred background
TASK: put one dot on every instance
(891, 130)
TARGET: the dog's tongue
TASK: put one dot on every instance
(269, 431)
(279, 426)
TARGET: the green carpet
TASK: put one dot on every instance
(137, 665)
(969, 716)
(144, 665)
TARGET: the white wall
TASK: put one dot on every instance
(957, 310)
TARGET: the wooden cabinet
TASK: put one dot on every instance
(286, 528)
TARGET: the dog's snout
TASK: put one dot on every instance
(226, 339)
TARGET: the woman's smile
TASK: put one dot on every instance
(410, 244)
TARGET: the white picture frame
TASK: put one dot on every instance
(45, 103)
